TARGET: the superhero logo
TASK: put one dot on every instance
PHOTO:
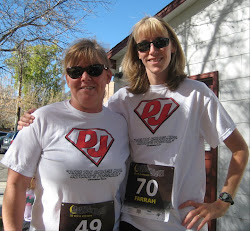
(154, 112)
(93, 143)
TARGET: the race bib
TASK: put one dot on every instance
(87, 217)
(149, 191)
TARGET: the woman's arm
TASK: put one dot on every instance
(240, 154)
(14, 201)
(209, 211)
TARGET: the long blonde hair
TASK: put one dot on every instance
(133, 68)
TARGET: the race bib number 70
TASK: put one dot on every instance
(149, 191)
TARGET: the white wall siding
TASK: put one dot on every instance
(215, 37)
(231, 223)
(234, 89)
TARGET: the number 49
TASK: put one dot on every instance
(95, 224)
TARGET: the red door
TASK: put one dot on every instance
(211, 155)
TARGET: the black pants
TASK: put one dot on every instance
(26, 225)
(124, 226)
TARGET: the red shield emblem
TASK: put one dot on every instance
(93, 143)
(154, 112)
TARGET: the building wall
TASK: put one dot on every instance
(215, 37)
(109, 91)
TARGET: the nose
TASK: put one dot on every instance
(152, 48)
(85, 76)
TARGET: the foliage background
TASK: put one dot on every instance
(32, 36)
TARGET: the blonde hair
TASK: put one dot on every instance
(133, 68)
(32, 184)
(85, 50)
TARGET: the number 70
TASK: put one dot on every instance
(148, 186)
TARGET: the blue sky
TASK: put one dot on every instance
(113, 25)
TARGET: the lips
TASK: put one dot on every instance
(154, 60)
(87, 88)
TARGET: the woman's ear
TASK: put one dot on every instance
(173, 47)
(173, 50)
(67, 80)
(109, 76)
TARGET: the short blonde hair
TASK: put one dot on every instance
(133, 68)
(85, 50)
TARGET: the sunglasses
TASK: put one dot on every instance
(158, 43)
(94, 70)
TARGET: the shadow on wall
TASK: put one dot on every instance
(215, 37)
(210, 30)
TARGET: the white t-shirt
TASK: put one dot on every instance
(168, 129)
(77, 158)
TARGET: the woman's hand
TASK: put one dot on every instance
(209, 211)
(203, 212)
(26, 119)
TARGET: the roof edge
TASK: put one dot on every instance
(162, 13)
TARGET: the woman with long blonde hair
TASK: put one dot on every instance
(169, 117)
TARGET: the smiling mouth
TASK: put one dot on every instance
(87, 88)
(155, 60)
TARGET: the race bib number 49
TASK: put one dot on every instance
(149, 191)
(87, 217)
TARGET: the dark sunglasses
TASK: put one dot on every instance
(158, 43)
(94, 70)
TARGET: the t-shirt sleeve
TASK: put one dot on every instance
(215, 124)
(25, 151)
